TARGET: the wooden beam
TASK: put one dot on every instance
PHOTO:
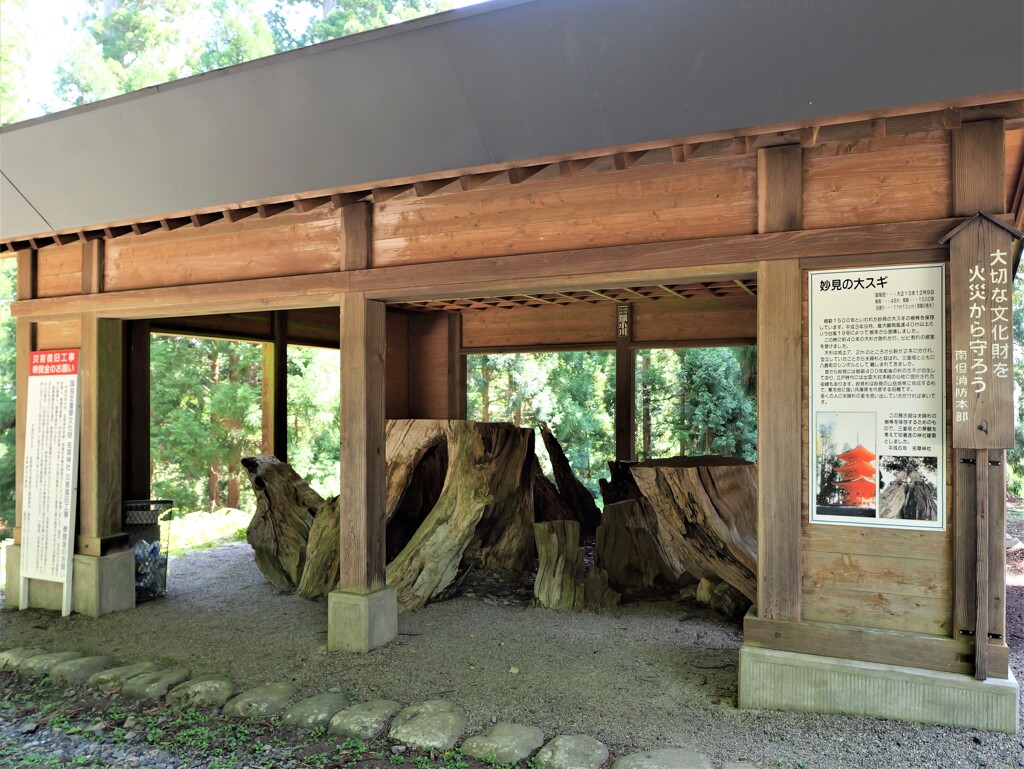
(135, 451)
(625, 385)
(24, 344)
(274, 400)
(952, 117)
(99, 489)
(308, 204)
(979, 167)
(201, 220)
(522, 173)
(383, 194)
(878, 128)
(361, 506)
(573, 167)
(779, 408)
(456, 369)
(430, 186)
(623, 160)
(176, 222)
(745, 287)
(266, 210)
(809, 136)
(885, 647)
(141, 228)
(357, 227)
(672, 291)
(779, 189)
(472, 181)
(92, 266)
(742, 145)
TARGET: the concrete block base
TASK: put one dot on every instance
(361, 622)
(99, 584)
(781, 680)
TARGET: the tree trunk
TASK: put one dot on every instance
(628, 550)
(280, 528)
(213, 487)
(322, 568)
(548, 505)
(705, 510)
(576, 496)
(430, 562)
(560, 583)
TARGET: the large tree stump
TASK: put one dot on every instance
(559, 581)
(575, 495)
(323, 552)
(279, 530)
(548, 505)
(430, 561)
(628, 550)
(705, 509)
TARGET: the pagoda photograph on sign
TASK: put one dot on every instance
(847, 477)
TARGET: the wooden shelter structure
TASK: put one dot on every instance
(548, 175)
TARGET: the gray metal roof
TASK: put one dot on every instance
(498, 83)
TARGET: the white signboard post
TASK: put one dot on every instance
(50, 486)
(877, 397)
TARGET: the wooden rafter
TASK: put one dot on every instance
(745, 287)
(673, 291)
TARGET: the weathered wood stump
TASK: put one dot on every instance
(628, 551)
(705, 509)
(702, 513)
(323, 552)
(575, 495)
(560, 583)
(280, 528)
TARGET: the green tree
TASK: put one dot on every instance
(314, 417)
(126, 45)
(330, 19)
(238, 34)
(14, 57)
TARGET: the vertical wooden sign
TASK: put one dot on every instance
(981, 268)
(50, 490)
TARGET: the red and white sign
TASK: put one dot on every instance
(50, 488)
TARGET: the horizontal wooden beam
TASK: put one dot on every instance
(608, 267)
(322, 290)
(870, 645)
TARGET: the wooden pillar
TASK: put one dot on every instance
(136, 449)
(362, 444)
(625, 385)
(456, 369)
(779, 392)
(100, 453)
(979, 496)
(275, 389)
(24, 344)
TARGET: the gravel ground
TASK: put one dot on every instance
(643, 676)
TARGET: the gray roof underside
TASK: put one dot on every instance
(496, 84)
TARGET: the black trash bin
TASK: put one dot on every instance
(142, 525)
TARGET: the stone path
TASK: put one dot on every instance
(431, 725)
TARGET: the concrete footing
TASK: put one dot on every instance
(781, 680)
(99, 584)
(360, 622)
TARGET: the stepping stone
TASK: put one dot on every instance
(75, 672)
(261, 702)
(11, 658)
(314, 711)
(40, 664)
(504, 743)
(202, 692)
(434, 724)
(572, 751)
(364, 721)
(115, 677)
(153, 686)
(668, 758)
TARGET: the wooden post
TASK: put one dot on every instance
(136, 450)
(779, 390)
(362, 444)
(99, 489)
(978, 166)
(456, 369)
(357, 226)
(275, 389)
(625, 385)
(92, 266)
(24, 344)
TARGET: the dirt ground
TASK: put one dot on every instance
(645, 675)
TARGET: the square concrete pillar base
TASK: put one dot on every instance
(99, 584)
(361, 622)
(781, 680)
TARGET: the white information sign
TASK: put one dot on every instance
(877, 397)
(50, 486)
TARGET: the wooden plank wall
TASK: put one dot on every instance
(655, 323)
(295, 244)
(868, 181)
(396, 404)
(59, 270)
(428, 366)
(674, 201)
(877, 578)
